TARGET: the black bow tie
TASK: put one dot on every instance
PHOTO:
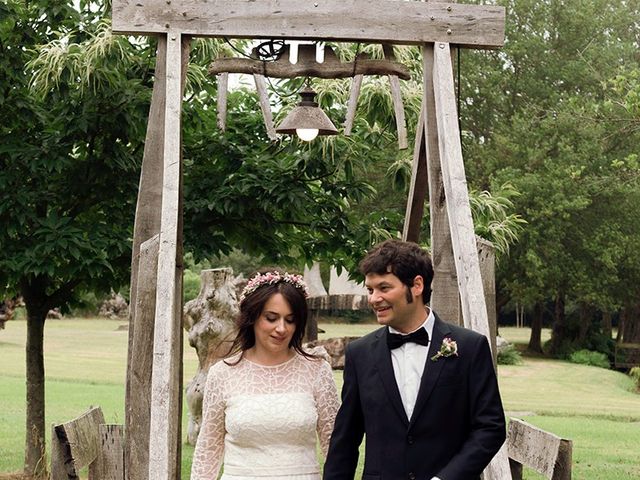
(395, 340)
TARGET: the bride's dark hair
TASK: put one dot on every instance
(251, 307)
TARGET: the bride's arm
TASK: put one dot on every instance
(209, 452)
(327, 404)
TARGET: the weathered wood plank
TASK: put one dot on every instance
(445, 298)
(75, 444)
(223, 87)
(457, 196)
(139, 407)
(265, 106)
(474, 310)
(327, 69)
(418, 186)
(391, 21)
(356, 83)
(533, 447)
(164, 401)
(111, 464)
(147, 224)
(396, 97)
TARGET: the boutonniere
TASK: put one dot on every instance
(448, 348)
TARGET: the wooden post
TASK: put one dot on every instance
(75, 445)
(223, 85)
(165, 417)
(139, 407)
(445, 298)
(147, 224)
(418, 186)
(263, 95)
(111, 457)
(474, 309)
(541, 451)
(356, 83)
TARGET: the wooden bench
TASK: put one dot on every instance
(541, 451)
(87, 442)
(626, 355)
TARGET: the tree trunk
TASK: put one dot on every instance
(631, 327)
(535, 341)
(607, 326)
(585, 322)
(35, 459)
(559, 331)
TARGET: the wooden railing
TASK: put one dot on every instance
(87, 442)
(541, 451)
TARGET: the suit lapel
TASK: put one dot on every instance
(431, 369)
(385, 370)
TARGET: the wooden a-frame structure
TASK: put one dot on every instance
(153, 402)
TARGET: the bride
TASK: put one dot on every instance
(267, 404)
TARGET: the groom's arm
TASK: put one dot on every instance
(346, 438)
(488, 431)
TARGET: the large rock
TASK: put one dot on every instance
(209, 320)
(334, 348)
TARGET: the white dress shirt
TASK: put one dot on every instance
(408, 362)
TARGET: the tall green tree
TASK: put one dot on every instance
(533, 114)
(70, 146)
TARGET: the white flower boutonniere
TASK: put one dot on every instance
(448, 348)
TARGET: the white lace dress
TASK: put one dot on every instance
(264, 421)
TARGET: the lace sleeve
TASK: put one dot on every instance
(208, 455)
(327, 403)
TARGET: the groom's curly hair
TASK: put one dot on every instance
(405, 260)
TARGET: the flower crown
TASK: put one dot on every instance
(272, 278)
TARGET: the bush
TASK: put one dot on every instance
(588, 357)
(634, 373)
(190, 285)
(509, 356)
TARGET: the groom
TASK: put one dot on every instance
(423, 391)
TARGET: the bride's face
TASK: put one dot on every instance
(275, 326)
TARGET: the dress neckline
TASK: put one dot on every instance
(286, 362)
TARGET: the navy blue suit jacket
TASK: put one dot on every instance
(457, 425)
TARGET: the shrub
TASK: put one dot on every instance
(190, 285)
(509, 356)
(634, 373)
(588, 357)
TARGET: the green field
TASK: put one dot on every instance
(86, 360)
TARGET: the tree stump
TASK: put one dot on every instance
(209, 321)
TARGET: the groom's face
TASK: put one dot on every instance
(389, 298)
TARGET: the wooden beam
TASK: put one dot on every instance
(396, 97)
(463, 239)
(356, 83)
(265, 106)
(75, 445)
(111, 464)
(541, 451)
(138, 407)
(445, 298)
(457, 196)
(376, 21)
(223, 86)
(418, 186)
(164, 401)
(281, 68)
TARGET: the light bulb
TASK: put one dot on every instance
(307, 134)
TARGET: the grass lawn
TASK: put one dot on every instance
(86, 360)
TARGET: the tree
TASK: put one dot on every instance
(533, 114)
(70, 150)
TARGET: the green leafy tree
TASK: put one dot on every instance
(70, 145)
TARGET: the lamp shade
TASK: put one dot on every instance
(307, 115)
